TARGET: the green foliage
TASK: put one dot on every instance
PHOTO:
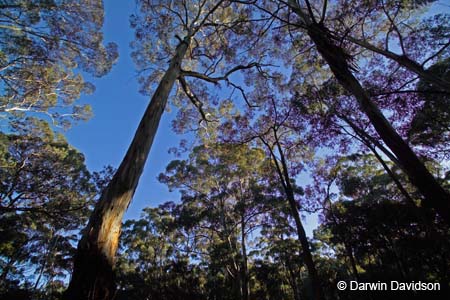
(431, 124)
(232, 226)
(374, 228)
(45, 195)
(44, 45)
(149, 266)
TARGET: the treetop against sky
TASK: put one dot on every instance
(271, 111)
(104, 138)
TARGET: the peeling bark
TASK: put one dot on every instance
(93, 275)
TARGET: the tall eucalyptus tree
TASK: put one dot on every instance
(340, 63)
(194, 27)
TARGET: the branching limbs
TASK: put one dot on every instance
(224, 77)
(217, 79)
(193, 98)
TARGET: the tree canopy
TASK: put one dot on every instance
(45, 45)
(314, 151)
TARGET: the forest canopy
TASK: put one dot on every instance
(312, 158)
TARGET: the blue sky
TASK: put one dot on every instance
(118, 108)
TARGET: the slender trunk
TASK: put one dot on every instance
(93, 276)
(347, 246)
(368, 140)
(48, 255)
(393, 176)
(293, 281)
(405, 62)
(389, 246)
(305, 249)
(351, 257)
(233, 269)
(434, 193)
(365, 138)
(41, 272)
(244, 268)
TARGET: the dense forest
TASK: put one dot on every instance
(288, 111)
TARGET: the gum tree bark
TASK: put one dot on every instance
(93, 276)
(435, 195)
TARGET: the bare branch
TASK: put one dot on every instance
(224, 77)
(193, 98)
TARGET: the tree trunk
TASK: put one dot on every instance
(352, 260)
(244, 268)
(293, 281)
(366, 139)
(434, 193)
(93, 276)
(393, 176)
(344, 241)
(305, 250)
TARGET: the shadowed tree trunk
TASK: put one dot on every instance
(435, 195)
(367, 140)
(93, 276)
(344, 241)
(244, 271)
(305, 250)
(293, 280)
(244, 263)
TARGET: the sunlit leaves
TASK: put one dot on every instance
(45, 194)
(45, 44)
